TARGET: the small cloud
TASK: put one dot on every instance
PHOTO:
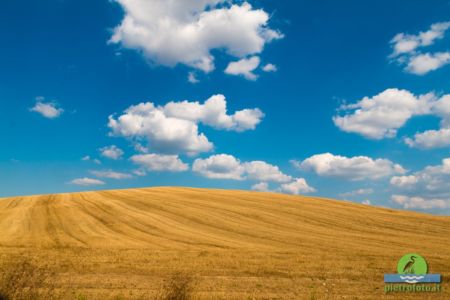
(88, 158)
(111, 152)
(49, 110)
(139, 173)
(297, 187)
(357, 193)
(261, 187)
(270, 68)
(110, 174)
(192, 78)
(244, 67)
(159, 162)
(87, 181)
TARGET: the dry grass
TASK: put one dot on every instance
(232, 244)
(22, 280)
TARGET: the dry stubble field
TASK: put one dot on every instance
(210, 244)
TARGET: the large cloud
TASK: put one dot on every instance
(406, 50)
(352, 168)
(382, 115)
(173, 128)
(170, 32)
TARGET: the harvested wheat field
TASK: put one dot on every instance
(210, 244)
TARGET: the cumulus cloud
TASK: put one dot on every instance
(352, 168)
(224, 166)
(49, 110)
(426, 189)
(244, 67)
(420, 203)
(111, 152)
(423, 63)
(173, 128)
(404, 181)
(173, 32)
(406, 50)
(220, 166)
(405, 43)
(430, 139)
(297, 187)
(261, 187)
(110, 174)
(87, 181)
(440, 138)
(262, 171)
(382, 115)
(158, 162)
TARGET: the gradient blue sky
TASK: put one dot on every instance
(56, 52)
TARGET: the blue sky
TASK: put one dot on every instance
(345, 100)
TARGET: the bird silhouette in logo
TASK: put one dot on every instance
(409, 267)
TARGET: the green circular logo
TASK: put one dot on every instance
(412, 264)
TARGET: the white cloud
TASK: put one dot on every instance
(158, 162)
(407, 43)
(262, 171)
(87, 181)
(244, 67)
(431, 139)
(357, 192)
(173, 128)
(49, 110)
(88, 158)
(366, 202)
(426, 189)
(420, 203)
(404, 181)
(382, 115)
(224, 166)
(353, 168)
(220, 166)
(192, 78)
(111, 152)
(406, 46)
(110, 174)
(297, 187)
(173, 32)
(423, 63)
(261, 187)
(139, 172)
(270, 68)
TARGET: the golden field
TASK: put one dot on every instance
(210, 244)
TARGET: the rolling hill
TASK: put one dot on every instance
(230, 244)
